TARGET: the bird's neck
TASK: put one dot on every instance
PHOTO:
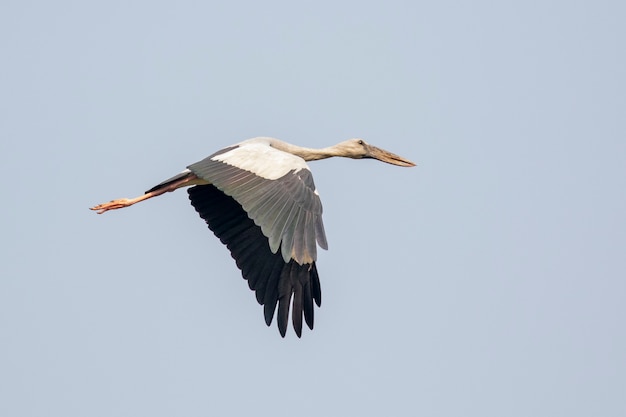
(308, 154)
(311, 154)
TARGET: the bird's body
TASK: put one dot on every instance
(259, 199)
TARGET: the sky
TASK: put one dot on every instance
(487, 281)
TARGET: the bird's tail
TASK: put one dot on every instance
(185, 175)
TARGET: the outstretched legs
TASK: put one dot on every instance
(123, 202)
(167, 186)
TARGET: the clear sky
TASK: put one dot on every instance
(487, 281)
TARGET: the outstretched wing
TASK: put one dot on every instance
(262, 204)
(274, 280)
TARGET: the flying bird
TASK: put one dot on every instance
(258, 197)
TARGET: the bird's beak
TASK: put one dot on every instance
(388, 157)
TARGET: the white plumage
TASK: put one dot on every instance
(257, 156)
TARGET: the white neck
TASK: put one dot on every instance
(308, 154)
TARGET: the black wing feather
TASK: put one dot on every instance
(273, 280)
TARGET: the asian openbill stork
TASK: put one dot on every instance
(259, 199)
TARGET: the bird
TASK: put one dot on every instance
(259, 198)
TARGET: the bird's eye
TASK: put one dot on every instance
(360, 142)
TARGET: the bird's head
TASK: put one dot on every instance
(358, 149)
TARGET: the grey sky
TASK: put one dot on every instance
(487, 281)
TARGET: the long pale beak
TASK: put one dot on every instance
(388, 157)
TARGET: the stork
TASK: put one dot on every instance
(258, 197)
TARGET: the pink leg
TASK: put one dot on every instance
(126, 202)
(122, 202)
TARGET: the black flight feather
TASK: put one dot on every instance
(274, 281)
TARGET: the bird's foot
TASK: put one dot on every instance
(113, 205)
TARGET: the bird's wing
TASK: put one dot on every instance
(277, 192)
(273, 280)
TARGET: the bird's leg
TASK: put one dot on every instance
(157, 191)
(123, 202)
